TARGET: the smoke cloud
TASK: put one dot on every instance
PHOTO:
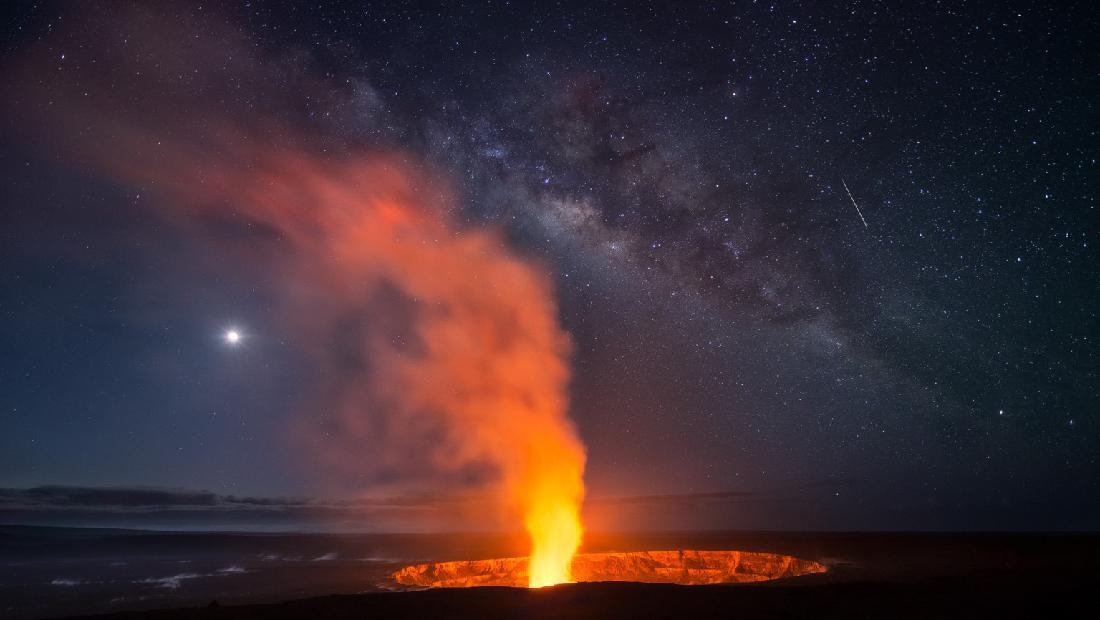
(441, 359)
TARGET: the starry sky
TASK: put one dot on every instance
(824, 265)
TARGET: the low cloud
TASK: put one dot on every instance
(184, 509)
(172, 508)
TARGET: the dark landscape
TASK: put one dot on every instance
(62, 573)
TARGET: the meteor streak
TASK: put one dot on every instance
(854, 203)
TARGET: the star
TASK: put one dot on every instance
(232, 337)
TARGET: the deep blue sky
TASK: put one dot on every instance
(681, 172)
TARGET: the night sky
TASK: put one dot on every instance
(824, 266)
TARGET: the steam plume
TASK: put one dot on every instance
(441, 349)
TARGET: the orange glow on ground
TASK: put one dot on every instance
(679, 567)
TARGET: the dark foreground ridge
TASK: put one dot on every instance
(869, 576)
(153, 576)
(975, 597)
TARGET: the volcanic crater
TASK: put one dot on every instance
(679, 567)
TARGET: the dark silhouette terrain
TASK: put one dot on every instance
(871, 576)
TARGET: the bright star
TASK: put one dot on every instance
(232, 336)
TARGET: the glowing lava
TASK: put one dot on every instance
(555, 536)
(555, 531)
(550, 490)
(679, 567)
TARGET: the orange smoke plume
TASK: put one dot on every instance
(454, 367)
(483, 367)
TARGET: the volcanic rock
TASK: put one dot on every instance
(680, 567)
